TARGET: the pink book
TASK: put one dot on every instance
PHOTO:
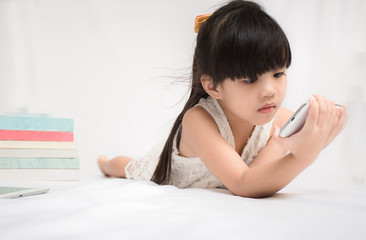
(22, 135)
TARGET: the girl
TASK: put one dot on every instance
(227, 133)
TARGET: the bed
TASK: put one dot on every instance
(98, 207)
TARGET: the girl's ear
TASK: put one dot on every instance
(208, 85)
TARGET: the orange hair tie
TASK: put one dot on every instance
(200, 19)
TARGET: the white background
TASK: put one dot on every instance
(121, 70)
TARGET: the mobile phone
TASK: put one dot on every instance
(15, 192)
(296, 121)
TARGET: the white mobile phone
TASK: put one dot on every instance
(296, 122)
(15, 192)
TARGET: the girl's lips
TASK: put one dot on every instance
(268, 108)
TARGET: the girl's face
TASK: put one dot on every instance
(254, 102)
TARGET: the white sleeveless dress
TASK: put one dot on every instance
(191, 172)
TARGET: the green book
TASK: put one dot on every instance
(39, 163)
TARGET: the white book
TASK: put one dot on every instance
(38, 153)
(40, 174)
(37, 144)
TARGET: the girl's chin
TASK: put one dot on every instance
(265, 119)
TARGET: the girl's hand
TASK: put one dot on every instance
(324, 122)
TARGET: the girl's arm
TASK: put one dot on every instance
(322, 126)
(272, 151)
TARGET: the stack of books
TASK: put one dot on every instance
(37, 148)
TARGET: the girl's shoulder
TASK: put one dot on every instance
(197, 124)
(198, 121)
(195, 114)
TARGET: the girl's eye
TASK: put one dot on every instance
(249, 81)
(279, 74)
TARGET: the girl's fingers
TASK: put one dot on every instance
(276, 135)
(331, 116)
(312, 118)
(342, 119)
(285, 143)
(323, 112)
(340, 123)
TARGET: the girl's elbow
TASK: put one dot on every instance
(248, 189)
(252, 187)
(253, 194)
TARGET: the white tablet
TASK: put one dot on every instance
(15, 192)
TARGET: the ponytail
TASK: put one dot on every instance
(163, 169)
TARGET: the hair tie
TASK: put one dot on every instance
(200, 19)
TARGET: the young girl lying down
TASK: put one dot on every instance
(227, 134)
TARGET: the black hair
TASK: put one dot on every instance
(239, 40)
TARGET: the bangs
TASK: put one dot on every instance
(247, 45)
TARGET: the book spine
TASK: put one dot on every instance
(36, 145)
(36, 123)
(38, 153)
(20, 135)
(37, 163)
(39, 174)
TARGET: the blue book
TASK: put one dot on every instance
(39, 163)
(36, 123)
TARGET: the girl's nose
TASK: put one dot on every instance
(268, 89)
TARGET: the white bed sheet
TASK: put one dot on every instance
(102, 208)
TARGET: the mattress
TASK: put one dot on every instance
(101, 208)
